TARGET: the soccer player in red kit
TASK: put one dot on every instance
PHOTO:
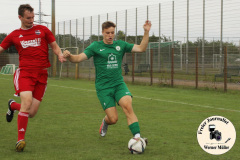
(30, 79)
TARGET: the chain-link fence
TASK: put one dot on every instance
(180, 29)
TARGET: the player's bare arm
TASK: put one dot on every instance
(1, 50)
(74, 58)
(144, 43)
(56, 50)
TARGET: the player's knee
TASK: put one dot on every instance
(26, 105)
(113, 120)
(33, 111)
(32, 114)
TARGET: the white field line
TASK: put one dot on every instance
(160, 100)
(184, 103)
(89, 90)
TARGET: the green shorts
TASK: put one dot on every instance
(108, 97)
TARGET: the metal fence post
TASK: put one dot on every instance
(64, 46)
(147, 55)
(225, 69)
(76, 33)
(98, 26)
(160, 40)
(125, 57)
(64, 35)
(83, 34)
(116, 35)
(221, 34)
(187, 36)
(77, 47)
(147, 12)
(70, 34)
(151, 65)
(172, 24)
(135, 61)
(172, 67)
(203, 39)
(196, 80)
(90, 61)
(54, 65)
(58, 35)
(133, 57)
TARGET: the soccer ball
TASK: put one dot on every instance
(136, 145)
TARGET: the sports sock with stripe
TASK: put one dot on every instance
(22, 124)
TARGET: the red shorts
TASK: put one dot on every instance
(31, 80)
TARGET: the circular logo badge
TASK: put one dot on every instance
(216, 135)
(37, 32)
(118, 48)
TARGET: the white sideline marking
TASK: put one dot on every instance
(74, 88)
(195, 105)
(184, 103)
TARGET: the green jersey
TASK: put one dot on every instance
(108, 60)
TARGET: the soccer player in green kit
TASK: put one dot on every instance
(109, 83)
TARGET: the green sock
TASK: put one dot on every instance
(134, 127)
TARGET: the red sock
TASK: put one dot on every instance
(15, 106)
(22, 124)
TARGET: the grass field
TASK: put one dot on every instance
(66, 126)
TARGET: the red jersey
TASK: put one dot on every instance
(32, 46)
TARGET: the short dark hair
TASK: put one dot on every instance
(23, 7)
(107, 25)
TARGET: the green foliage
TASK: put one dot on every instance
(11, 49)
(2, 36)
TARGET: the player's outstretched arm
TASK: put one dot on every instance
(74, 58)
(57, 50)
(144, 43)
